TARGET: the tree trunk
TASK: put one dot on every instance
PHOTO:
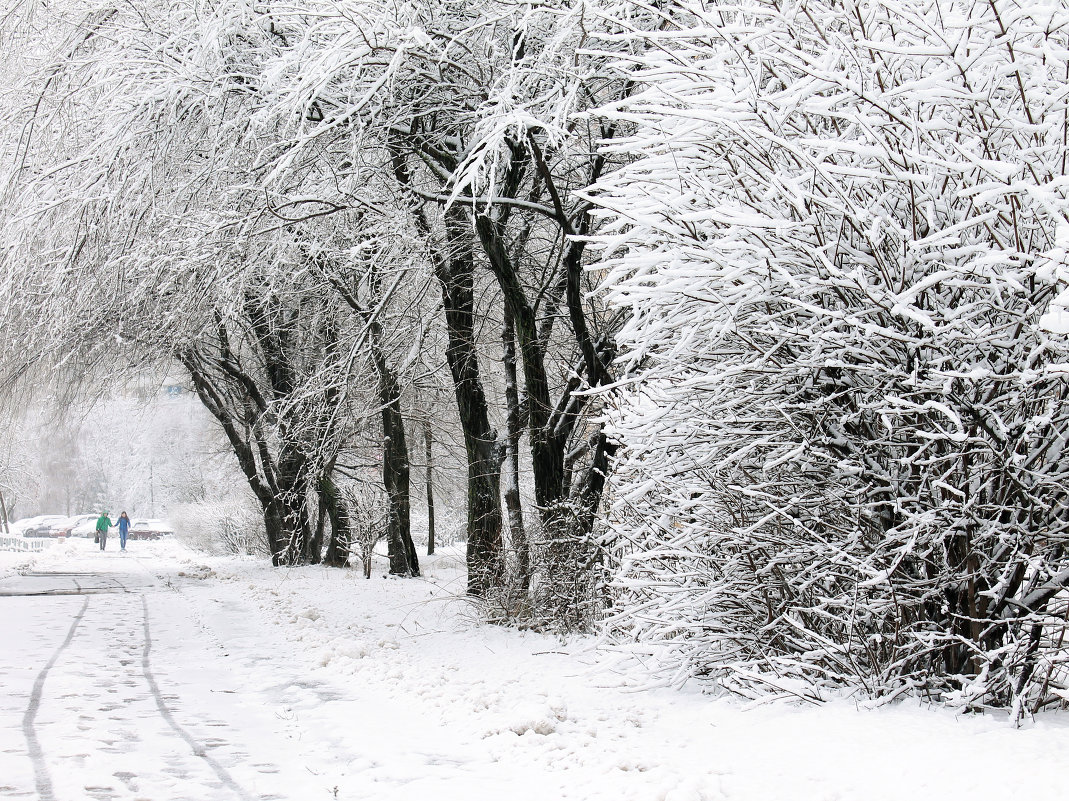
(593, 487)
(485, 566)
(430, 489)
(333, 506)
(395, 477)
(273, 524)
(3, 515)
(318, 531)
(395, 465)
(455, 273)
(547, 449)
(294, 482)
(511, 465)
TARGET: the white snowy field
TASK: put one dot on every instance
(167, 674)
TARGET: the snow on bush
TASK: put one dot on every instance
(843, 438)
(226, 527)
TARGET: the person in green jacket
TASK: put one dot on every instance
(103, 524)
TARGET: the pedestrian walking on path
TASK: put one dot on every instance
(103, 524)
(124, 529)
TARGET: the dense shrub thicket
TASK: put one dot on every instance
(842, 246)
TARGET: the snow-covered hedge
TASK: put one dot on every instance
(840, 243)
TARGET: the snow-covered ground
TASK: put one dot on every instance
(182, 676)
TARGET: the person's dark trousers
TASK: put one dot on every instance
(103, 539)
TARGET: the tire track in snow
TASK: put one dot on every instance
(197, 747)
(42, 778)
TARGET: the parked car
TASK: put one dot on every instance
(150, 530)
(66, 526)
(23, 526)
(87, 528)
(43, 526)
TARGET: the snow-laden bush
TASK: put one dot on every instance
(843, 442)
(567, 586)
(217, 526)
(368, 510)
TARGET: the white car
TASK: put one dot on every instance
(65, 526)
(35, 526)
(19, 527)
(86, 528)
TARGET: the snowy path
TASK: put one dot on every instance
(162, 675)
(94, 719)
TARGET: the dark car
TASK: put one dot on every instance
(150, 530)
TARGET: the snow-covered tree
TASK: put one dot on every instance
(134, 192)
(467, 107)
(843, 438)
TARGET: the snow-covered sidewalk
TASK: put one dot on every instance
(222, 678)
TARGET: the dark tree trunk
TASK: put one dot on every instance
(593, 486)
(395, 460)
(280, 484)
(333, 506)
(547, 449)
(514, 421)
(455, 270)
(294, 484)
(430, 488)
(276, 533)
(316, 540)
(485, 567)
(396, 467)
(566, 516)
(395, 477)
(3, 515)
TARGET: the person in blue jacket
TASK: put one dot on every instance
(124, 529)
